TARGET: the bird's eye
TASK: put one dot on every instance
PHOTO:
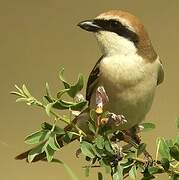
(114, 23)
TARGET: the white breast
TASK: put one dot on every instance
(130, 83)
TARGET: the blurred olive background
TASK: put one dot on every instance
(37, 37)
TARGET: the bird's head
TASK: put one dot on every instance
(119, 32)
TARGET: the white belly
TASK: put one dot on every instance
(130, 85)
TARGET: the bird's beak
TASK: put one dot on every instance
(90, 25)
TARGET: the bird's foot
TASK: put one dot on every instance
(148, 158)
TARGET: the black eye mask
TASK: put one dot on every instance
(118, 28)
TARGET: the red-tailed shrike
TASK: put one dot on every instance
(129, 68)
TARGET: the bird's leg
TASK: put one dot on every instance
(133, 134)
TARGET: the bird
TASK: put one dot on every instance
(129, 68)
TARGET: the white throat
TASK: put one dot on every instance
(113, 44)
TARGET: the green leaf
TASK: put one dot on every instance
(92, 127)
(65, 83)
(68, 169)
(177, 121)
(126, 163)
(108, 147)
(49, 95)
(141, 148)
(105, 164)
(154, 170)
(94, 160)
(97, 151)
(52, 142)
(169, 142)
(175, 177)
(86, 158)
(164, 150)
(100, 142)
(140, 167)
(67, 137)
(19, 89)
(87, 171)
(93, 115)
(147, 126)
(73, 89)
(66, 119)
(77, 87)
(165, 163)
(118, 174)
(131, 154)
(147, 175)
(36, 151)
(133, 173)
(21, 100)
(25, 90)
(49, 153)
(59, 130)
(100, 176)
(87, 149)
(37, 137)
(92, 121)
(17, 93)
(62, 92)
(48, 108)
(61, 104)
(47, 99)
(174, 151)
(78, 106)
(176, 140)
(46, 126)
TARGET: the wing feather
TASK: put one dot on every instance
(160, 74)
(93, 79)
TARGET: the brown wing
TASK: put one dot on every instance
(92, 80)
(160, 74)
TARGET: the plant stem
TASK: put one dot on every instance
(157, 152)
(176, 165)
(57, 116)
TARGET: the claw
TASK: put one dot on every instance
(149, 159)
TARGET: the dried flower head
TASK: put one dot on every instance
(101, 99)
